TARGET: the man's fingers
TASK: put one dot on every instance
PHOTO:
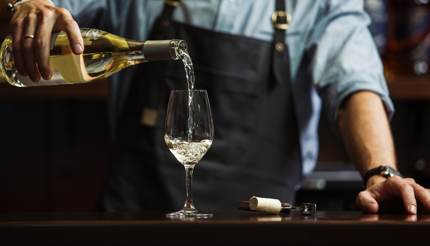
(28, 47)
(406, 193)
(32, 27)
(367, 202)
(68, 24)
(17, 26)
(387, 192)
(42, 42)
(423, 195)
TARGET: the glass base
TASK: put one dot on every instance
(189, 215)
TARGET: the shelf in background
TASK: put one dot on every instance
(405, 87)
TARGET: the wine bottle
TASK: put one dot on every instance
(104, 54)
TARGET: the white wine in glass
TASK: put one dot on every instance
(189, 135)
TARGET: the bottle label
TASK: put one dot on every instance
(27, 82)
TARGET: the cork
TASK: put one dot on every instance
(268, 205)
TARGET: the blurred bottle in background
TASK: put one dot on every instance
(378, 12)
(408, 44)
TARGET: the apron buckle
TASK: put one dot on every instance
(173, 3)
(281, 20)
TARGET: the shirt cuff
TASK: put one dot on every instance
(334, 94)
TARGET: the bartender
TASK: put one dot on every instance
(268, 66)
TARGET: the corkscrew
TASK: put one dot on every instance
(275, 206)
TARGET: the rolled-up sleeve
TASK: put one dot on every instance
(344, 57)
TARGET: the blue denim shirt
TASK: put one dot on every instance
(330, 35)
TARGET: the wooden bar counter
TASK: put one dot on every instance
(235, 228)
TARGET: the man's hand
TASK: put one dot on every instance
(381, 192)
(31, 27)
(366, 133)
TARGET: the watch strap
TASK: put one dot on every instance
(383, 170)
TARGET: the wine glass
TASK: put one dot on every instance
(189, 135)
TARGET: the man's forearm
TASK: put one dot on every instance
(366, 132)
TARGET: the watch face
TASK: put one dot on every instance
(387, 172)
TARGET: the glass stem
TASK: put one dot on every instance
(189, 206)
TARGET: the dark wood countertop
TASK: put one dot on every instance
(235, 228)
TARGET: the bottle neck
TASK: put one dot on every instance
(155, 50)
(158, 50)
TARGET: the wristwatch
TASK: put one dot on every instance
(384, 171)
(11, 6)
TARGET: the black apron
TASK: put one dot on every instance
(256, 146)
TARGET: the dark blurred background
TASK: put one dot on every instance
(55, 146)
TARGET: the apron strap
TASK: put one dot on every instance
(160, 29)
(281, 68)
(281, 63)
(155, 92)
(162, 23)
